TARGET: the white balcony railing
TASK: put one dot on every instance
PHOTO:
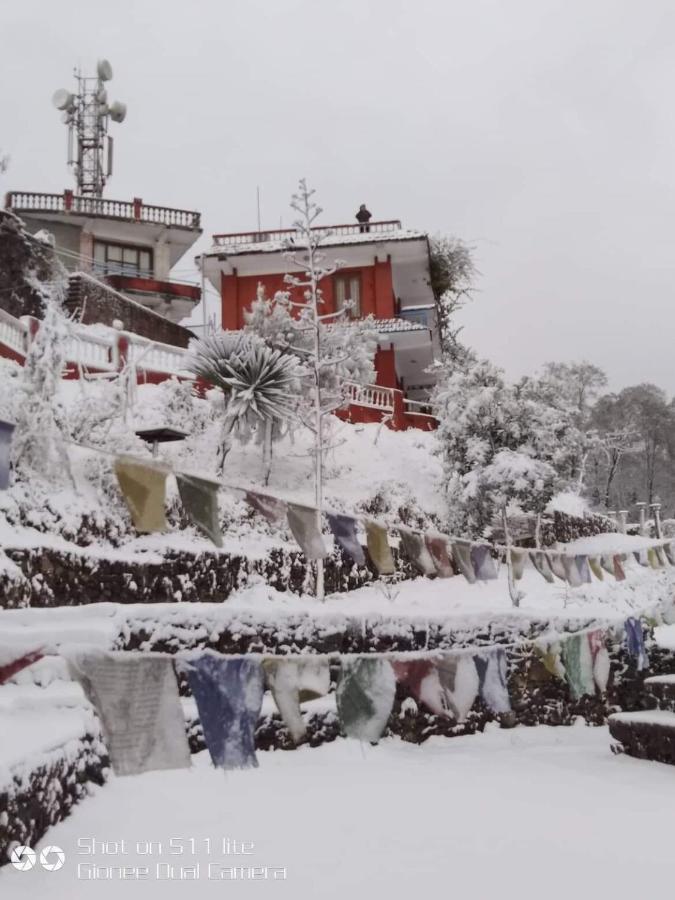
(13, 333)
(371, 395)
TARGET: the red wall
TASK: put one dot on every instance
(377, 292)
(385, 368)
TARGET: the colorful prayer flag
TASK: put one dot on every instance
(136, 698)
(229, 695)
(344, 532)
(635, 642)
(584, 569)
(293, 682)
(365, 697)
(143, 487)
(617, 562)
(572, 574)
(542, 564)
(518, 559)
(6, 432)
(415, 549)
(271, 508)
(596, 567)
(600, 659)
(199, 497)
(557, 561)
(459, 679)
(438, 550)
(378, 548)
(305, 528)
(492, 671)
(578, 664)
(549, 651)
(420, 677)
(461, 554)
(483, 563)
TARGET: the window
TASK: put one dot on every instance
(120, 259)
(348, 287)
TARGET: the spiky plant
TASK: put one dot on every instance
(260, 384)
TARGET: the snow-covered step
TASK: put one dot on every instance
(646, 734)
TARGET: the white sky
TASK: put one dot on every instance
(542, 132)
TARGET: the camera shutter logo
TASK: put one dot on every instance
(22, 858)
(52, 858)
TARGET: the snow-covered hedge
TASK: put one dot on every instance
(44, 790)
(48, 576)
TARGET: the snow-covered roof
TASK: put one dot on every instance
(243, 244)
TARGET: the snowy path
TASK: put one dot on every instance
(532, 813)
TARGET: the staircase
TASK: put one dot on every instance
(648, 733)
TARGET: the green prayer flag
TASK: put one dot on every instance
(578, 664)
(199, 497)
(365, 696)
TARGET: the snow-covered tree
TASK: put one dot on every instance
(41, 419)
(502, 445)
(451, 275)
(351, 345)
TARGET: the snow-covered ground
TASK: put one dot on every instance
(528, 813)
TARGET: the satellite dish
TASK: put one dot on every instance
(104, 70)
(62, 98)
(66, 117)
(117, 111)
(102, 95)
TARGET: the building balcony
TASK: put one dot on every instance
(143, 285)
(67, 203)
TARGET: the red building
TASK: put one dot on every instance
(384, 272)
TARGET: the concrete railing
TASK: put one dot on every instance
(101, 207)
(284, 234)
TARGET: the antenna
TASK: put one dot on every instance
(257, 192)
(87, 114)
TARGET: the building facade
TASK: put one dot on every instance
(130, 245)
(383, 272)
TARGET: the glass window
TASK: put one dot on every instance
(348, 288)
(116, 258)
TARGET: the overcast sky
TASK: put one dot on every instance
(541, 132)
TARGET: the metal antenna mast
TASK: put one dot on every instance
(87, 115)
